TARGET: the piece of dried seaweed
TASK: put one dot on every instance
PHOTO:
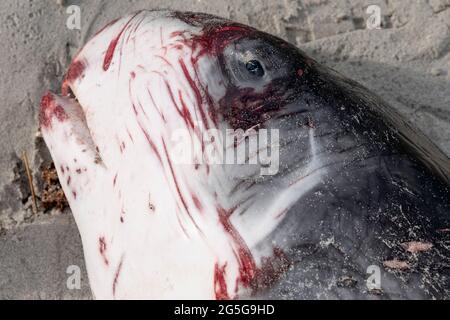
(52, 195)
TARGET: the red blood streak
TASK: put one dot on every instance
(131, 97)
(142, 108)
(155, 106)
(129, 134)
(158, 73)
(282, 213)
(49, 109)
(102, 249)
(177, 47)
(174, 178)
(115, 180)
(197, 203)
(198, 95)
(164, 59)
(186, 114)
(215, 38)
(134, 108)
(122, 146)
(247, 266)
(180, 223)
(151, 143)
(74, 194)
(169, 89)
(75, 71)
(116, 276)
(113, 44)
(220, 285)
(110, 52)
(177, 186)
(176, 34)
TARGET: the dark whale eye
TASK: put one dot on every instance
(255, 68)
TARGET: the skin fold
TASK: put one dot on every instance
(354, 185)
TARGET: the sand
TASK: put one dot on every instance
(407, 62)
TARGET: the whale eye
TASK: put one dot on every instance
(249, 64)
(255, 68)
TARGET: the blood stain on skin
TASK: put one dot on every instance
(247, 266)
(220, 284)
(151, 143)
(102, 249)
(198, 95)
(112, 46)
(49, 109)
(75, 71)
(271, 269)
(197, 202)
(116, 277)
(129, 135)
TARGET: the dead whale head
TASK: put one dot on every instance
(183, 141)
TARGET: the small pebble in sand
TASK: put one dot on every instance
(341, 16)
(437, 72)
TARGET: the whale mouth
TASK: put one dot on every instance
(71, 94)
